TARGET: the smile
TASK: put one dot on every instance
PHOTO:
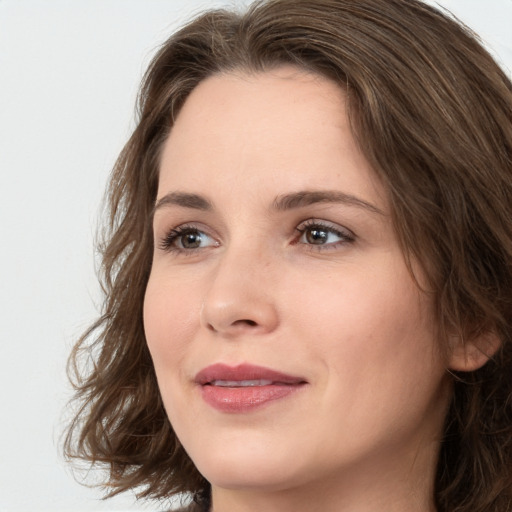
(244, 388)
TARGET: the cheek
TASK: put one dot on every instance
(381, 369)
(356, 300)
(375, 326)
(170, 321)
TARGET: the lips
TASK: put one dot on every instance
(243, 388)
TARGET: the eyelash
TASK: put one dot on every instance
(346, 236)
(168, 243)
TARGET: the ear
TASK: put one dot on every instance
(470, 355)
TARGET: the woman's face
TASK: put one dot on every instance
(289, 340)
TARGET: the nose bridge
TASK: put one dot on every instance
(240, 296)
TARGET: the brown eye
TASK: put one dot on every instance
(319, 234)
(316, 236)
(184, 238)
(190, 240)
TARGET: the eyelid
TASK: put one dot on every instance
(346, 235)
(167, 241)
(313, 222)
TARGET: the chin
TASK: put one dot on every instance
(246, 469)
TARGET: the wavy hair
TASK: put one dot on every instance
(432, 112)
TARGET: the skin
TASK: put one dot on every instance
(363, 434)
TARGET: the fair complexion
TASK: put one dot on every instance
(274, 247)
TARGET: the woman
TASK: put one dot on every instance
(308, 268)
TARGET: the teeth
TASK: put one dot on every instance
(240, 383)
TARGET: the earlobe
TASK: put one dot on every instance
(470, 355)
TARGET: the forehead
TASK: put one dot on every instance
(286, 127)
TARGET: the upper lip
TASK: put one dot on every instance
(244, 372)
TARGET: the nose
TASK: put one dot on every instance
(240, 298)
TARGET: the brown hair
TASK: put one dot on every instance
(432, 112)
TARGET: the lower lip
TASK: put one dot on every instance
(245, 399)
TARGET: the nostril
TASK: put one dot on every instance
(250, 323)
(236, 323)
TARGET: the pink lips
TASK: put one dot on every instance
(245, 387)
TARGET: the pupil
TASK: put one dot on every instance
(191, 240)
(317, 236)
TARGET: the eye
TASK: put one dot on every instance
(186, 238)
(320, 233)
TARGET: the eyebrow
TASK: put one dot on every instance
(185, 200)
(284, 202)
(309, 197)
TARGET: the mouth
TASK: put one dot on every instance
(243, 375)
(240, 383)
(243, 388)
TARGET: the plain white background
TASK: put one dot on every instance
(69, 73)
